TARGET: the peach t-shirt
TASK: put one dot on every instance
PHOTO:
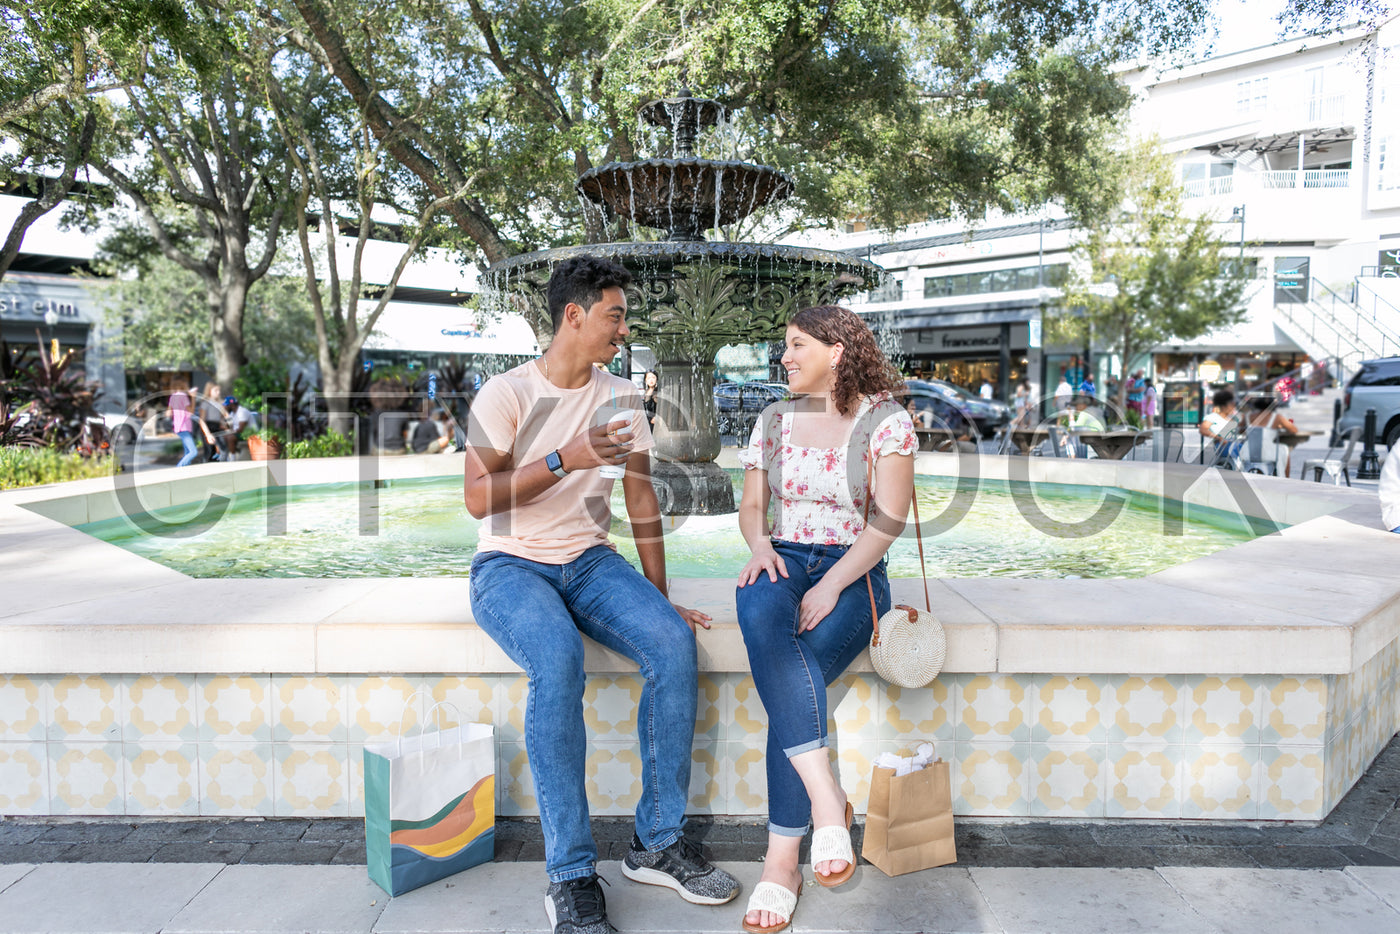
(521, 414)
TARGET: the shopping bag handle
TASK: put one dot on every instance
(398, 747)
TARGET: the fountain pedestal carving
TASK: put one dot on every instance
(690, 296)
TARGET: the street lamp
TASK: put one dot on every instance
(51, 319)
(1237, 214)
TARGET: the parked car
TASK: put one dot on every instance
(934, 410)
(1376, 385)
(986, 415)
(738, 404)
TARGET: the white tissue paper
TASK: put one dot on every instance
(903, 765)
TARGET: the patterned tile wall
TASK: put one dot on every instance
(1117, 746)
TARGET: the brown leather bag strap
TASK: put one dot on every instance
(923, 572)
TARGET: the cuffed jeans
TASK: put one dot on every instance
(791, 670)
(538, 614)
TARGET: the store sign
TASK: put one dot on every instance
(30, 300)
(973, 341)
(1389, 264)
(1290, 280)
(23, 307)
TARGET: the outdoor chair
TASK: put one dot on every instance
(1159, 445)
(1337, 461)
(1260, 453)
(1225, 453)
(1063, 443)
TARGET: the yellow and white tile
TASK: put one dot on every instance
(355, 760)
(463, 699)
(748, 779)
(916, 715)
(1221, 783)
(994, 708)
(1067, 780)
(234, 708)
(711, 718)
(1295, 711)
(855, 764)
(85, 708)
(86, 778)
(383, 707)
(1147, 709)
(510, 696)
(162, 778)
(1223, 710)
(24, 778)
(990, 779)
(853, 708)
(1293, 783)
(1143, 780)
(311, 780)
(310, 709)
(237, 779)
(24, 711)
(707, 780)
(160, 708)
(1072, 709)
(610, 704)
(515, 783)
(613, 778)
(748, 721)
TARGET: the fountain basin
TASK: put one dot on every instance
(1256, 683)
(684, 196)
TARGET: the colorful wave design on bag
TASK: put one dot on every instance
(460, 821)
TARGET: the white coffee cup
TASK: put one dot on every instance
(617, 420)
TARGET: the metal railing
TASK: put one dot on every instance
(1271, 180)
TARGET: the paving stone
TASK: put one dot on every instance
(280, 852)
(1202, 856)
(518, 829)
(350, 854)
(87, 832)
(1382, 883)
(12, 873)
(1339, 835)
(276, 899)
(713, 831)
(16, 832)
(32, 852)
(507, 851)
(1098, 856)
(1297, 857)
(971, 834)
(1074, 901)
(1365, 856)
(1051, 833)
(120, 852)
(264, 831)
(504, 897)
(1384, 844)
(736, 852)
(185, 831)
(1223, 835)
(1389, 824)
(1018, 856)
(226, 853)
(1134, 834)
(89, 897)
(531, 851)
(331, 829)
(945, 899)
(1247, 901)
(613, 831)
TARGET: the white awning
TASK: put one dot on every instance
(444, 329)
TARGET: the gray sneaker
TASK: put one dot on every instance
(681, 866)
(577, 907)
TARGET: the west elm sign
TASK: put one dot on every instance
(30, 300)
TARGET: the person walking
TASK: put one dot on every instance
(651, 393)
(181, 409)
(545, 575)
(839, 461)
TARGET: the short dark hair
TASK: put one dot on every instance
(1222, 398)
(581, 280)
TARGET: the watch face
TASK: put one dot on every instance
(553, 461)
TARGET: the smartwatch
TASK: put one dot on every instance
(555, 463)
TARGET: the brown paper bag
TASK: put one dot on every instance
(909, 821)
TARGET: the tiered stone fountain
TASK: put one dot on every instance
(692, 296)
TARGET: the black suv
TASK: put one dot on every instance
(738, 404)
(1376, 385)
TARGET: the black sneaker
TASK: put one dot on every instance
(681, 866)
(577, 907)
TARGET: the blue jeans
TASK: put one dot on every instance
(191, 449)
(538, 614)
(791, 670)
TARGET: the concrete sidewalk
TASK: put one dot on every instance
(203, 898)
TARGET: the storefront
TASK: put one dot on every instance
(37, 308)
(965, 354)
(419, 337)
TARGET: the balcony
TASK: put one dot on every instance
(1267, 181)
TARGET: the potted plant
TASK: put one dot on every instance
(264, 444)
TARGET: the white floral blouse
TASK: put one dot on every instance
(817, 499)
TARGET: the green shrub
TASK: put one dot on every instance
(330, 444)
(33, 466)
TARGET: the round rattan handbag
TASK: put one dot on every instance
(908, 647)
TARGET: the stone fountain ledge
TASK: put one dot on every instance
(1253, 684)
(1319, 597)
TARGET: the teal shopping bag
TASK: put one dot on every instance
(430, 806)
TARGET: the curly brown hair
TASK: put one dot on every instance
(864, 370)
